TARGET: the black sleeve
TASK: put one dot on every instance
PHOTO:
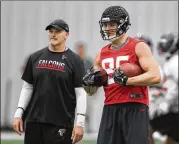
(28, 71)
(79, 72)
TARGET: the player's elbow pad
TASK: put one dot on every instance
(25, 97)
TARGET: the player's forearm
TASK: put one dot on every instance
(145, 79)
(24, 99)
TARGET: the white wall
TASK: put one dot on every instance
(23, 31)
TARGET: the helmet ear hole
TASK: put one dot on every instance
(125, 26)
(120, 32)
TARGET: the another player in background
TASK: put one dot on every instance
(81, 51)
(51, 92)
(125, 114)
(166, 115)
(171, 97)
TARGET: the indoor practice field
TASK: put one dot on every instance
(77, 63)
(21, 142)
(13, 138)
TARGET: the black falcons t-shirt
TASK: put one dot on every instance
(54, 76)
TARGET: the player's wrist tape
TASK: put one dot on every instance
(80, 114)
(20, 108)
(19, 112)
(80, 120)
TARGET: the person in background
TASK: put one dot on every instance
(166, 115)
(81, 50)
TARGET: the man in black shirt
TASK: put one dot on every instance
(51, 92)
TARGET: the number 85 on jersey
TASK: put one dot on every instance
(109, 64)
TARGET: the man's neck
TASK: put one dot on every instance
(120, 41)
(57, 48)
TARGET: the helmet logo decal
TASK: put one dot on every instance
(107, 19)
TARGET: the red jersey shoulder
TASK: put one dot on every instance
(105, 48)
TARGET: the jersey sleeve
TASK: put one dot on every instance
(28, 72)
(79, 72)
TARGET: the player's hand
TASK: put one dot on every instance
(89, 78)
(119, 77)
(18, 125)
(77, 134)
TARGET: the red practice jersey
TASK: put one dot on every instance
(111, 59)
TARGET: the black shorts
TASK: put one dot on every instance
(167, 124)
(124, 124)
(42, 133)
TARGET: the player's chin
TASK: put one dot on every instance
(54, 43)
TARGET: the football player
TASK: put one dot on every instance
(125, 113)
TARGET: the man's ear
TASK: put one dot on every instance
(67, 34)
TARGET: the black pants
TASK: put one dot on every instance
(42, 133)
(167, 124)
(124, 124)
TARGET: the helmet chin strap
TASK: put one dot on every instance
(113, 38)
